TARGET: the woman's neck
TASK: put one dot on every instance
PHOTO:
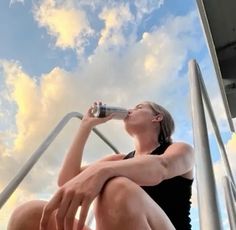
(145, 145)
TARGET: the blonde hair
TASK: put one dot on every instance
(167, 125)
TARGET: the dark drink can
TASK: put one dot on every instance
(105, 110)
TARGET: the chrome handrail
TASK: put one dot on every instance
(215, 126)
(14, 183)
(207, 199)
(208, 207)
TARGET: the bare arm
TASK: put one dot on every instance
(113, 157)
(72, 163)
(149, 170)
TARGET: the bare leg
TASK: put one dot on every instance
(27, 217)
(122, 204)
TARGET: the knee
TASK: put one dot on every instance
(117, 196)
(26, 216)
(118, 190)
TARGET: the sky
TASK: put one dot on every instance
(60, 56)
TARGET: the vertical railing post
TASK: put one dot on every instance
(215, 127)
(207, 198)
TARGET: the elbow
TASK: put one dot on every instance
(63, 178)
(157, 173)
(60, 181)
(163, 172)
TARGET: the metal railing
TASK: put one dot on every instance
(209, 214)
(14, 183)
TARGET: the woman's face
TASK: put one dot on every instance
(140, 117)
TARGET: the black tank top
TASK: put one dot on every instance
(172, 195)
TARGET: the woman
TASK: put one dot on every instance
(148, 189)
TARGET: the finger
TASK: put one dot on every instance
(107, 118)
(49, 208)
(70, 215)
(83, 214)
(95, 103)
(62, 210)
(91, 110)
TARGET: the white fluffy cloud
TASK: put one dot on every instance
(115, 19)
(69, 22)
(68, 25)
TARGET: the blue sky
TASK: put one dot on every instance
(57, 57)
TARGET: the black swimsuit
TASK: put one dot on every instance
(172, 195)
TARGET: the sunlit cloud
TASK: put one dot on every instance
(115, 20)
(68, 25)
(69, 22)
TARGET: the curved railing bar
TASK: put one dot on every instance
(13, 184)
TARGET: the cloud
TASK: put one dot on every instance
(2, 145)
(15, 1)
(68, 25)
(115, 20)
(142, 7)
(147, 6)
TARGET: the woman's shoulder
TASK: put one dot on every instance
(180, 148)
(180, 144)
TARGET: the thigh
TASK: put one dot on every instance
(28, 215)
(52, 223)
(137, 203)
(156, 217)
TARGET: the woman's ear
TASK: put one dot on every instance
(158, 118)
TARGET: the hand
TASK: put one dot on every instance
(92, 121)
(78, 192)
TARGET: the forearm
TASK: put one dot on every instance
(146, 170)
(72, 163)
